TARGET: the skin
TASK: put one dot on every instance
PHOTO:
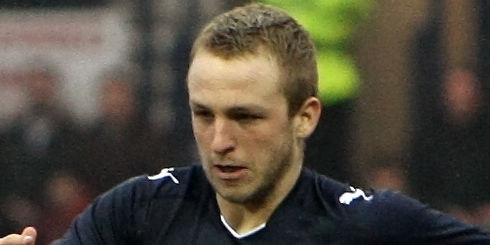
(27, 237)
(240, 119)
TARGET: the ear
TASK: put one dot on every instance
(307, 117)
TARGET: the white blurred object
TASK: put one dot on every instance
(81, 44)
(13, 100)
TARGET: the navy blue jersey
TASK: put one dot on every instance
(179, 207)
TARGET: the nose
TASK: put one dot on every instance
(223, 139)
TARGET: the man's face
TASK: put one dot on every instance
(240, 119)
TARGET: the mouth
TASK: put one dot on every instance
(228, 168)
(230, 172)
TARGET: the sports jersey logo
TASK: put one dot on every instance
(348, 197)
(164, 173)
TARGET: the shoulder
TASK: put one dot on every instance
(349, 201)
(370, 210)
(122, 213)
(387, 215)
(133, 197)
(167, 183)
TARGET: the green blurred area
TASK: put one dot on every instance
(332, 25)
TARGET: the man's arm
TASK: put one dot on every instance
(119, 216)
(408, 221)
(113, 218)
(108, 220)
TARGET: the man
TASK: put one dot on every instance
(252, 92)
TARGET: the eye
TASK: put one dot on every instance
(246, 116)
(203, 114)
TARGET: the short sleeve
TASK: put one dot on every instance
(395, 218)
(114, 218)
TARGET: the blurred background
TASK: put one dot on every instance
(92, 92)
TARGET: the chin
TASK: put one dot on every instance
(239, 199)
(240, 196)
(235, 194)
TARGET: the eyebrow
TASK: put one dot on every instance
(239, 108)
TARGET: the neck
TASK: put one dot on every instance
(243, 217)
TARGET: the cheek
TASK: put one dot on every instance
(199, 134)
(269, 141)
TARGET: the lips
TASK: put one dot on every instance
(228, 169)
(229, 172)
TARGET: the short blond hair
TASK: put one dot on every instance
(256, 27)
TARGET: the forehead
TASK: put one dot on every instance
(246, 79)
(245, 66)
